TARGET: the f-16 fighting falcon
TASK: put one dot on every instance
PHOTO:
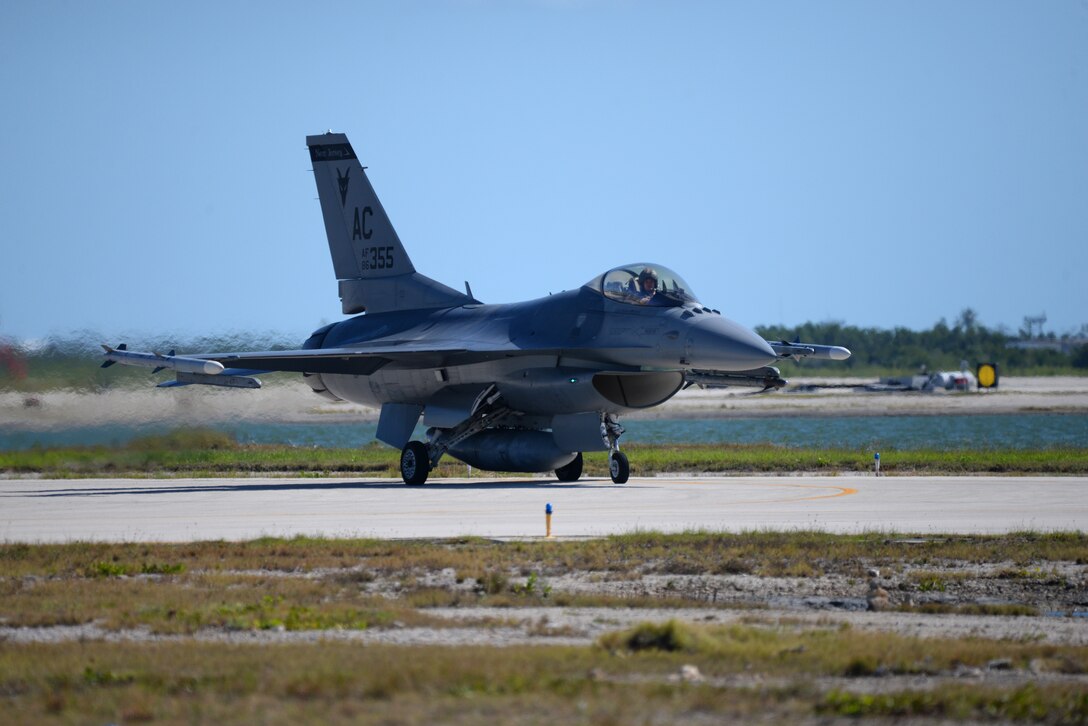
(523, 387)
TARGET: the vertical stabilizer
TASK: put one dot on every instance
(373, 268)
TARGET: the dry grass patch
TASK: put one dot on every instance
(186, 604)
(839, 651)
(307, 583)
(760, 553)
(334, 682)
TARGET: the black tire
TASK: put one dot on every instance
(619, 468)
(571, 471)
(414, 463)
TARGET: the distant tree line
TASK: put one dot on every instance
(942, 347)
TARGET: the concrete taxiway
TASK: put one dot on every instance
(44, 510)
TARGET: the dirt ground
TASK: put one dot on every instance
(290, 400)
(1057, 593)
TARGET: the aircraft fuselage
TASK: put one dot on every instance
(568, 352)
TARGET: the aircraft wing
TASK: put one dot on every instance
(235, 369)
(364, 358)
(359, 360)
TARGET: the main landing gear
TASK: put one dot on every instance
(571, 471)
(415, 465)
(417, 458)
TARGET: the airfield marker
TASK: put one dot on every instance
(548, 521)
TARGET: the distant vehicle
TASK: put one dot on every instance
(523, 387)
(953, 380)
(949, 380)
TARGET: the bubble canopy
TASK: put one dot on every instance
(642, 283)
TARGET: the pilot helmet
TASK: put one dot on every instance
(648, 273)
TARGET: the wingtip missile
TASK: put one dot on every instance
(158, 362)
(809, 350)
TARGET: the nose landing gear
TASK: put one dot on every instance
(618, 467)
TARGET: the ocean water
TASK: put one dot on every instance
(869, 433)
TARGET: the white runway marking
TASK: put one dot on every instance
(43, 510)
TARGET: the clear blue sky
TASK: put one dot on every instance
(879, 163)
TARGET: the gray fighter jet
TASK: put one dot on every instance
(523, 387)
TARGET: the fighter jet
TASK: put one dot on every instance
(521, 387)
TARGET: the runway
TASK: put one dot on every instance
(174, 510)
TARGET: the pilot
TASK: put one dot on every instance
(647, 284)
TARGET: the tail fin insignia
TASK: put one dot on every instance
(343, 179)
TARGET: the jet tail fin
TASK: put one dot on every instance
(371, 264)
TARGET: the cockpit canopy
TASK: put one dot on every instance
(645, 284)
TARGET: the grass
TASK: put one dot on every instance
(325, 584)
(335, 682)
(768, 668)
(215, 601)
(206, 453)
(341, 682)
(765, 553)
(1029, 703)
(839, 651)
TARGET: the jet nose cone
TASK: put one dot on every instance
(718, 343)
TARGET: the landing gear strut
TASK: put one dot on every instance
(618, 466)
(417, 458)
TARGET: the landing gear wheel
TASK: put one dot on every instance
(414, 463)
(571, 471)
(619, 467)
